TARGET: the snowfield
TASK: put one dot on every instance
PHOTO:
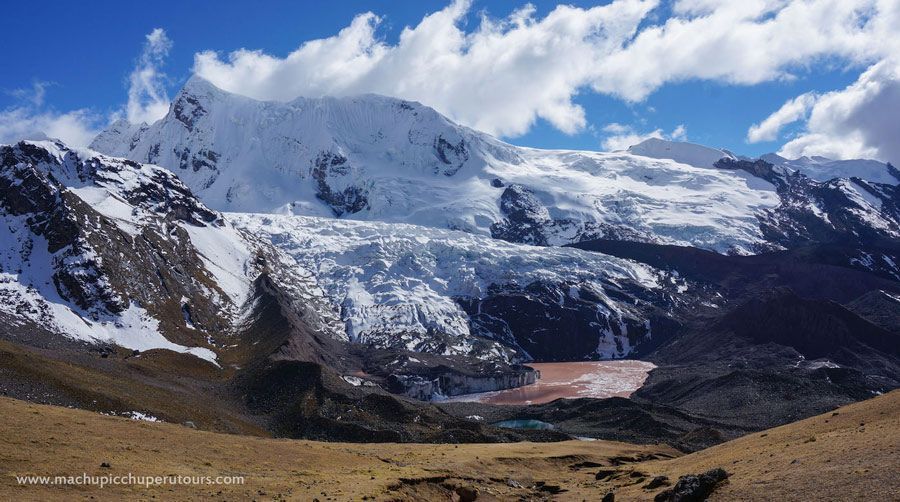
(681, 152)
(824, 169)
(381, 159)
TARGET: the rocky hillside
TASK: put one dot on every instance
(107, 250)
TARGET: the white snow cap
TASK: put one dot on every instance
(679, 151)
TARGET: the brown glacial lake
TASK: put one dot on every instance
(596, 379)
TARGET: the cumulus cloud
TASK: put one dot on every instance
(747, 42)
(76, 128)
(620, 136)
(30, 120)
(499, 78)
(504, 74)
(147, 99)
(859, 121)
(791, 111)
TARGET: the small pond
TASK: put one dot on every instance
(524, 424)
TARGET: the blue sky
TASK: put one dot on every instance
(87, 50)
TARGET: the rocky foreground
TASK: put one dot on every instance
(847, 454)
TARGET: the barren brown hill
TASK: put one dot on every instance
(852, 453)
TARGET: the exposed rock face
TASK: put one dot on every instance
(454, 155)
(34, 194)
(187, 109)
(559, 322)
(823, 211)
(329, 166)
(526, 217)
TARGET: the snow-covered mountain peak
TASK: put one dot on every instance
(685, 153)
(311, 155)
(825, 169)
(383, 159)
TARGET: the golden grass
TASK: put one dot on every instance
(851, 455)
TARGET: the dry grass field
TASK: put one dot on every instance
(850, 454)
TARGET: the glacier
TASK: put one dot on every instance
(383, 159)
(400, 285)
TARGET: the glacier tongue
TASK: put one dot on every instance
(401, 285)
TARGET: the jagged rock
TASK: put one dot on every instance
(454, 155)
(351, 199)
(120, 247)
(834, 210)
(693, 488)
(526, 217)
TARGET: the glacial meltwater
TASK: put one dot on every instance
(596, 379)
(524, 424)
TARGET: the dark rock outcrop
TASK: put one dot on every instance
(693, 488)
(559, 322)
(820, 212)
(526, 217)
(351, 199)
(453, 155)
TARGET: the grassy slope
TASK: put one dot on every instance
(854, 454)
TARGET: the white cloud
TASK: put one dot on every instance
(147, 102)
(748, 42)
(622, 136)
(30, 120)
(35, 95)
(791, 111)
(504, 74)
(859, 121)
(76, 128)
(147, 99)
(499, 78)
